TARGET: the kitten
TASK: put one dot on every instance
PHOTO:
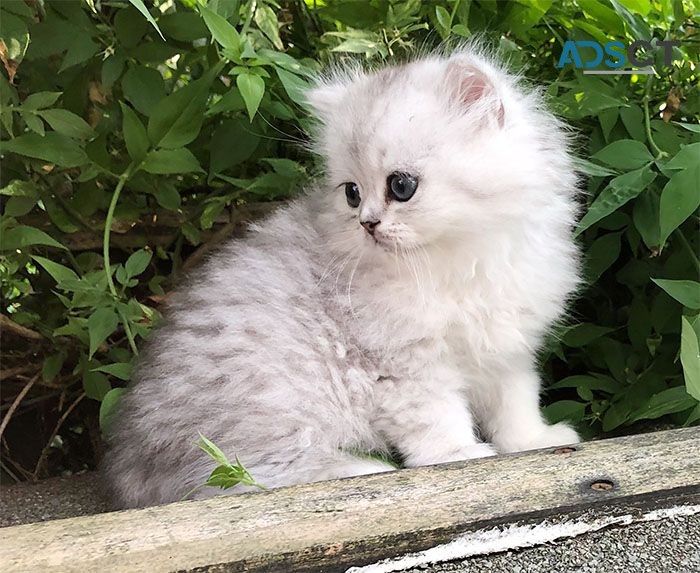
(396, 307)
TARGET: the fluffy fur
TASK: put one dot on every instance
(311, 340)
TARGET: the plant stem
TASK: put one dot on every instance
(123, 178)
(647, 119)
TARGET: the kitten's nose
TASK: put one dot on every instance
(370, 226)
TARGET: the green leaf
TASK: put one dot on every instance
(690, 358)
(19, 206)
(666, 402)
(679, 199)
(80, 49)
(293, 85)
(183, 26)
(693, 417)
(101, 324)
(564, 410)
(603, 383)
(444, 21)
(252, 89)
(67, 123)
(602, 253)
(589, 168)
(619, 191)
(694, 127)
(135, 136)
(625, 154)
(232, 143)
(266, 20)
(211, 210)
(96, 385)
(143, 88)
(14, 34)
(168, 197)
(52, 148)
(178, 118)
(35, 123)
(583, 334)
(231, 101)
(686, 158)
(616, 415)
(52, 366)
(23, 236)
(137, 262)
(191, 233)
(139, 5)
(212, 450)
(646, 218)
(685, 292)
(223, 32)
(18, 7)
(167, 161)
(40, 100)
(367, 46)
(121, 370)
(633, 120)
(108, 405)
(57, 271)
(19, 188)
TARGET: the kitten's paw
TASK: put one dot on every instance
(469, 452)
(477, 451)
(560, 434)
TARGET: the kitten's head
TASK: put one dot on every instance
(434, 152)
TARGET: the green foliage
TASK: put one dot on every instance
(132, 131)
(226, 474)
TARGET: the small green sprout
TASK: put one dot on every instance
(226, 475)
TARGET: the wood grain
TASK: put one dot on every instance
(330, 526)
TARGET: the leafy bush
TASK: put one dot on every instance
(136, 137)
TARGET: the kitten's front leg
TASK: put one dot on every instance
(508, 407)
(427, 420)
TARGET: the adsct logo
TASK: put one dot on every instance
(619, 56)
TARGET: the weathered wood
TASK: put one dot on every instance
(332, 525)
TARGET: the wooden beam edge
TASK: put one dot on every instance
(330, 526)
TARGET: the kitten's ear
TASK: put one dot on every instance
(471, 87)
(325, 98)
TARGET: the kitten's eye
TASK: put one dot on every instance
(352, 194)
(401, 186)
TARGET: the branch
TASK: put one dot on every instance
(23, 331)
(16, 402)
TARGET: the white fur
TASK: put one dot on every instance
(311, 340)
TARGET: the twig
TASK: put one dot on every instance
(15, 371)
(26, 474)
(62, 419)
(27, 404)
(16, 402)
(23, 331)
(9, 472)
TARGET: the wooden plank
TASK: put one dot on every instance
(330, 526)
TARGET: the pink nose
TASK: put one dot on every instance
(370, 226)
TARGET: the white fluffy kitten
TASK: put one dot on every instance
(396, 307)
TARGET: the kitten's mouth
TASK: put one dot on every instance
(381, 242)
